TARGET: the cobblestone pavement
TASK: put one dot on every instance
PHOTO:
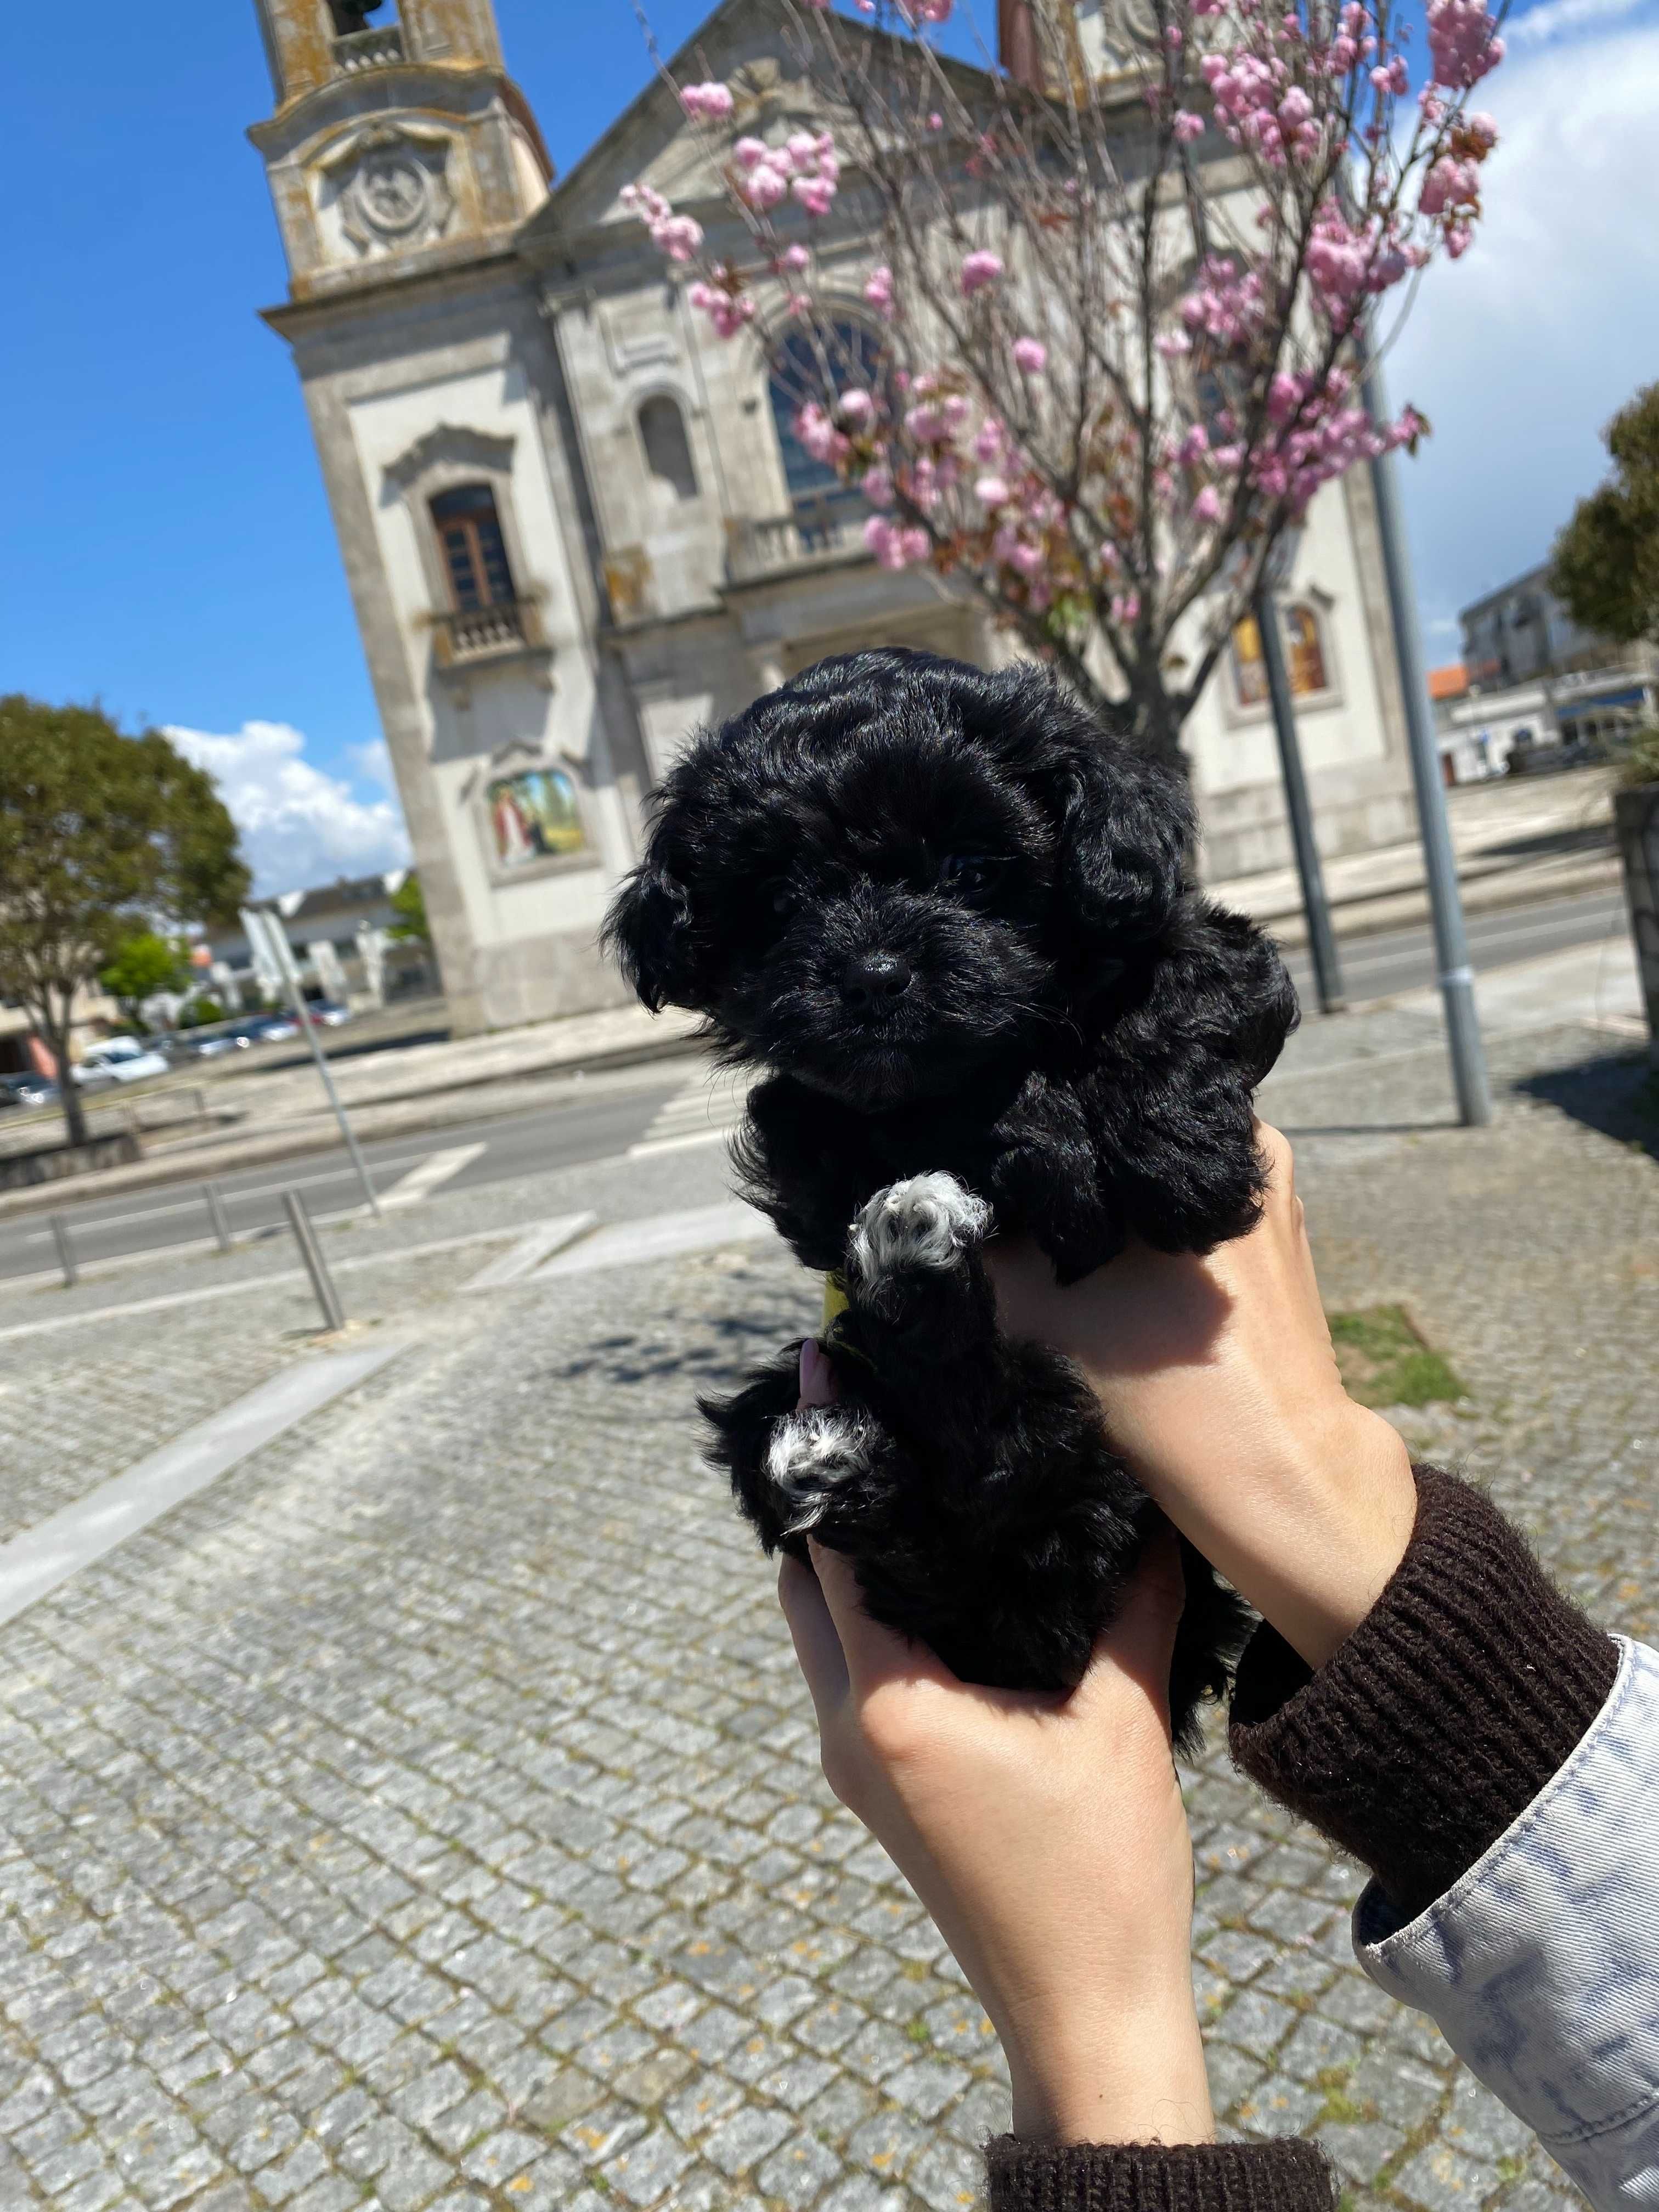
(429, 1814)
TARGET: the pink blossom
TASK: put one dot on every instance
(750, 152)
(1026, 558)
(764, 187)
(707, 103)
(877, 485)
(1482, 128)
(814, 193)
(990, 441)
(1172, 345)
(926, 423)
(936, 121)
(1030, 356)
(923, 12)
(855, 407)
(1187, 126)
(879, 290)
(979, 268)
(1126, 609)
(1207, 507)
(727, 315)
(1450, 184)
(819, 434)
(1462, 42)
(992, 491)
(794, 257)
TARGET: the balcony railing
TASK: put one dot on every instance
(814, 530)
(371, 49)
(464, 636)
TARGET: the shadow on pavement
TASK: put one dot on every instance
(1617, 1094)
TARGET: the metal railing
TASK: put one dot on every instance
(370, 49)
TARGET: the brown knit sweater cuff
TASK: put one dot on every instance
(1287, 2176)
(1464, 1690)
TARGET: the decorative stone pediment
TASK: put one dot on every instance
(450, 445)
(389, 185)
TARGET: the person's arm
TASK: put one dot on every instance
(1422, 1692)
(1047, 1837)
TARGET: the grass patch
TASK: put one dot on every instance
(1385, 1362)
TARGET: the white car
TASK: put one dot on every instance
(118, 1059)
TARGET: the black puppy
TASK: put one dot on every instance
(949, 914)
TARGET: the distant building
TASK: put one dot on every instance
(1536, 680)
(575, 528)
(339, 935)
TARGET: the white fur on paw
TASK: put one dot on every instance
(926, 1221)
(810, 1455)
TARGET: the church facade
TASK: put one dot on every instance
(574, 527)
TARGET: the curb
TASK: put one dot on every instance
(1483, 893)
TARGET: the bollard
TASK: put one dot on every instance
(316, 1266)
(217, 1214)
(65, 1251)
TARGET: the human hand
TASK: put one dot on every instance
(1047, 1837)
(1220, 1389)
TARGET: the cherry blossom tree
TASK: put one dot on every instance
(1124, 308)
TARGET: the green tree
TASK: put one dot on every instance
(1607, 559)
(141, 965)
(100, 836)
(409, 904)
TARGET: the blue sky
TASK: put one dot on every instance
(168, 548)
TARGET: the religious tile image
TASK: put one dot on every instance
(533, 817)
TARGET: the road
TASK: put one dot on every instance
(659, 1104)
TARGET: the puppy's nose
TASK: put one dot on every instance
(874, 980)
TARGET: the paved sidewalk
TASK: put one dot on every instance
(427, 1813)
(1517, 844)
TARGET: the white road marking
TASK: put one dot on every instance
(170, 1298)
(703, 1111)
(528, 1254)
(438, 1168)
(90, 1224)
(660, 1237)
(44, 1558)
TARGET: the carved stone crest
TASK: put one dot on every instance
(392, 186)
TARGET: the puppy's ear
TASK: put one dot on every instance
(1126, 826)
(648, 934)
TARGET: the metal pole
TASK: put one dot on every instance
(316, 1266)
(1321, 938)
(217, 1214)
(277, 939)
(1451, 944)
(65, 1251)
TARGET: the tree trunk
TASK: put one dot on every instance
(69, 1094)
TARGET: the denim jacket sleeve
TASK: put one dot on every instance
(1540, 1966)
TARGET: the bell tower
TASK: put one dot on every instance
(399, 142)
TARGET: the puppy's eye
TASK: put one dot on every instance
(783, 898)
(971, 872)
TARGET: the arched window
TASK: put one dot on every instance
(1305, 656)
(667, 449)
(351, 16)
(475, 552)
(854, 356)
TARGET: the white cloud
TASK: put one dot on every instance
(372, 763)
(299, 826)
(1520, 353)
(1556, 19)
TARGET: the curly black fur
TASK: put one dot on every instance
(948, 913)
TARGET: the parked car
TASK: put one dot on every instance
(118, 1059)
(271, 1029)
(27, 1090)
(213, 1045)
(328, 1011)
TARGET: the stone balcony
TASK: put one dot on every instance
(813, 533)
(462, 638)
(375, 48)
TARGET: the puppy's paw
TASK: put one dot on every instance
(814, 1456)
(926, 1221)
